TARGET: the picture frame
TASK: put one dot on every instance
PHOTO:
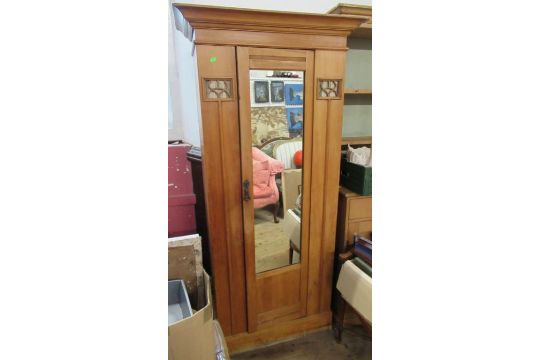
(295, 119)
(294, 94)
(277, 91)
(260, 92)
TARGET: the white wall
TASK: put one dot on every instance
(182, 79)
(182, 88)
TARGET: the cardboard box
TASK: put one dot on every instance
(193, 338)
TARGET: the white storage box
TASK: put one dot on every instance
(355, 287)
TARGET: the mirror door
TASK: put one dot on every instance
(276, 112)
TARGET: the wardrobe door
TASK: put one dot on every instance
(275, 88)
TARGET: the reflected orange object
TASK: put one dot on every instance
(297, 159)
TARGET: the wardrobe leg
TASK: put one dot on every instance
(291, 253)
(339, 317)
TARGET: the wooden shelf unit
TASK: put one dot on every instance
(357, 88)
(361, 140)
(359, 11)
(354, 210)
(357, 91)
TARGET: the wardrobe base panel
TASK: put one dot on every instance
(286, 330)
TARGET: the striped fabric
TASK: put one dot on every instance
(285, 151)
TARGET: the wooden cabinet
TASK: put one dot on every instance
(233, 49)
(354, 216)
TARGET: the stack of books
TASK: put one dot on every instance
(362, 249)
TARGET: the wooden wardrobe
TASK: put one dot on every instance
(303, 58)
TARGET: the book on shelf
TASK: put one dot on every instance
(363, 253)
(362, 248)
(362, 265)
(365, 239)
(364, 243)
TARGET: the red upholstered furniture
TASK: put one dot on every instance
(265, 190)
(181, 196)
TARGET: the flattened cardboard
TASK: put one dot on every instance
(185, 263)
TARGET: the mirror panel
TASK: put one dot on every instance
(277, 124)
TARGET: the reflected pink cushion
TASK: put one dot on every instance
(265, 189)
(261, 180)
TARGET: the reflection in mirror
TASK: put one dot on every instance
(277, 125)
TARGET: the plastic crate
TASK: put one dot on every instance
(356, 177)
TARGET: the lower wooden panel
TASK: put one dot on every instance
(281, 331)
(288, 312)
(278, 293)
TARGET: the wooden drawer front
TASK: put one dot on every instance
(360, 208)
(358, 227)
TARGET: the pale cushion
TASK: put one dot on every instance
(355, 287)
(285, 151)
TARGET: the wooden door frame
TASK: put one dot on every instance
(271, 59)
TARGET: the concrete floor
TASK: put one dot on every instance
(319, 346)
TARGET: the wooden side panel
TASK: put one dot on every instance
(214, 214)
(333, 149)
(233, 212)
(330, 65)
(328, 113)
(317, 202)
(221, 168)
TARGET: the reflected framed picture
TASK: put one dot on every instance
(294, 94)
(295, 119)
(260, 92)
(277, 91)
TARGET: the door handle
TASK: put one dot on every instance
(245, 186)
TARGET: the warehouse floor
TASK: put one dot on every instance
(319, 345)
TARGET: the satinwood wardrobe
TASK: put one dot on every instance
(270, 84)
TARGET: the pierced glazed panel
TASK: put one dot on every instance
(329, 89)
(218, 89)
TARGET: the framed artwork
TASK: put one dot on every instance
(277, 91)
(295, 119)
(294, 94)
(260, 92)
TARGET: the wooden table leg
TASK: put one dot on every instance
(339, 318)
(276, 209)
